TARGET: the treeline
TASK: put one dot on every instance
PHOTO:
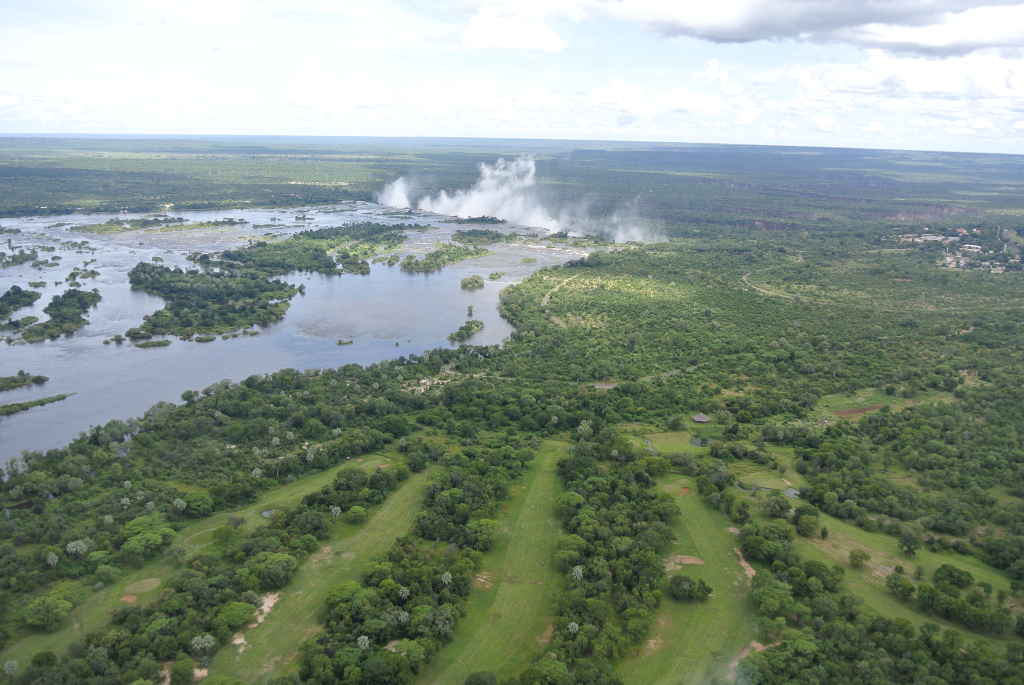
(216, 592)
(616, 531)
(821, 635)
(384, 629)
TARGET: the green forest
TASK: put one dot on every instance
(774, 444)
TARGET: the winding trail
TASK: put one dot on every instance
(547, 296)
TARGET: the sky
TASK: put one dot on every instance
(906, 74)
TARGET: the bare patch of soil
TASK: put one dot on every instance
(545, 637)
(684, 491)
(754, 646)
(484, 581)
(321, 556)
(734, 530)
(129, 599)
(679, 560)
(200, 673)
(141, 586)
(239, 640)
(747, 568)
(653, 645)
(269, 600)
(858, 411)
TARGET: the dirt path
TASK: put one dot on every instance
(547, 296)
(764, 291)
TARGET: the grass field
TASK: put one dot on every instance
(868, 400)
(869, 583)
(692, 642)
(513, 599)
(269, 650)
(143, 584)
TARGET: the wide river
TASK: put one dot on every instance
(386, 314)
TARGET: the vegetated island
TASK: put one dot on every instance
(480, 220)
(162, 223)
(14, 299)
(449, 253)
(482, 236)
(66, 313)
(474, 282)
(21, 379)
(495, 275)
(466, 331)
(15, 407)
(238, 288)
(16, 258)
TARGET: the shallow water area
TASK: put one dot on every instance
(386, 314)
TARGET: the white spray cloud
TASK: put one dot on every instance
(507, 190)
(395, 194)
(504, 190)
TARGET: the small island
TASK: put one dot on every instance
(14, 408)
(466, 331)
(472, 283)
(21, 379)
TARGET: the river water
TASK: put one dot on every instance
(386, 314)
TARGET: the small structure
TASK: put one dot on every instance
(791, 493)
(701, 418)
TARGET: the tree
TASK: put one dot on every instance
(203, 644)
(909, 543)
(682, 588)
(858, 558)
(356, 515)
(47, 612)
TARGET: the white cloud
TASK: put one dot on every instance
(825, 123)
(508, 28)
(937, 27)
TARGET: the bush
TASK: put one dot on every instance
(683, 588)
(858, 558)
(356, 515)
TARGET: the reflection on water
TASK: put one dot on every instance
(416, 311)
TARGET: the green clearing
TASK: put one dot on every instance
(693, 641)
(514, 594)
(269, 650)
(143, 583)
(869, 583)
(869, 400)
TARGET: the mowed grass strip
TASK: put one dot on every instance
(693, 641)
(269, 650)
(513, 599)
(141, 586)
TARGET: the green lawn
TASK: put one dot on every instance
(270, 649)
(694, 641)
(513, 599)
(142, 585)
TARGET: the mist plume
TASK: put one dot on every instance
(507, 190)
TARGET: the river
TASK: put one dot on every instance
(387, 314)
